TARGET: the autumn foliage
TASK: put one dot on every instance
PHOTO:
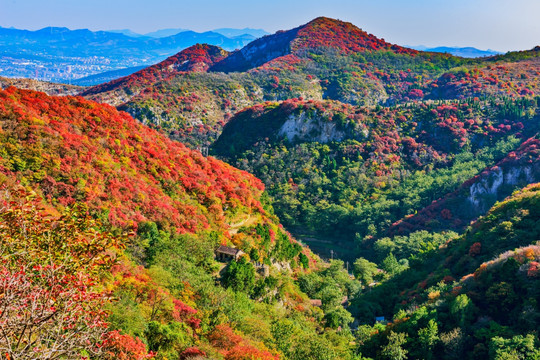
(75, 150)
(326, 32)
(49, 273)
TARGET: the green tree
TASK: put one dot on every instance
(283, 332)
(461, 308)
(391, 265)
(240, 276)
(516, 348)
(383, 247)
(428, 337)
(393, 350)
(163, 337)
(364, 270)
(338, 317)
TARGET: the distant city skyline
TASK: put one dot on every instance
(501, 25)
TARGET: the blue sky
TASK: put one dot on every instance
(497, 24)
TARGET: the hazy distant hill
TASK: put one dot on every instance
(228, 32)
(127, 32)
(467, 52)
(164, 32)
(257, 33)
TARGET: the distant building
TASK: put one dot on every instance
(316, 302)
(379, 319)
(226, 253)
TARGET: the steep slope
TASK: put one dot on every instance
(478, 291)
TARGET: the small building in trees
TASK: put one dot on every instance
(226, 253)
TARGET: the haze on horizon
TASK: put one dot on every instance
(500, 25)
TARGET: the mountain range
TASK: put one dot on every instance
(228, 32)
(415, 171)
(64, 55)
(466, 52)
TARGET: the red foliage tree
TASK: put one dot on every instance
(48, 270)
(475, 249)
(124, 347)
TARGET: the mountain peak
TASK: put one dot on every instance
(196, 58)
(344, 36)
(321, 32)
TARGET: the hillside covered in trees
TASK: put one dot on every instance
(108, 238)
(413, 174)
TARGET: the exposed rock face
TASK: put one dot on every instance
(490, 185)
(302, 128)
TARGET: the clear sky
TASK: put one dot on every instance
(496, 24)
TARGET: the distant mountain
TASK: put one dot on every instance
(230, 32)
(164, 32)
(61, 54)
(467, 52)
(189, 38)
(127, 32)
(54, 41)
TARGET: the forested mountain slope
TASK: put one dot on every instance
(350, 173)
(128, 221)
(473, 297)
